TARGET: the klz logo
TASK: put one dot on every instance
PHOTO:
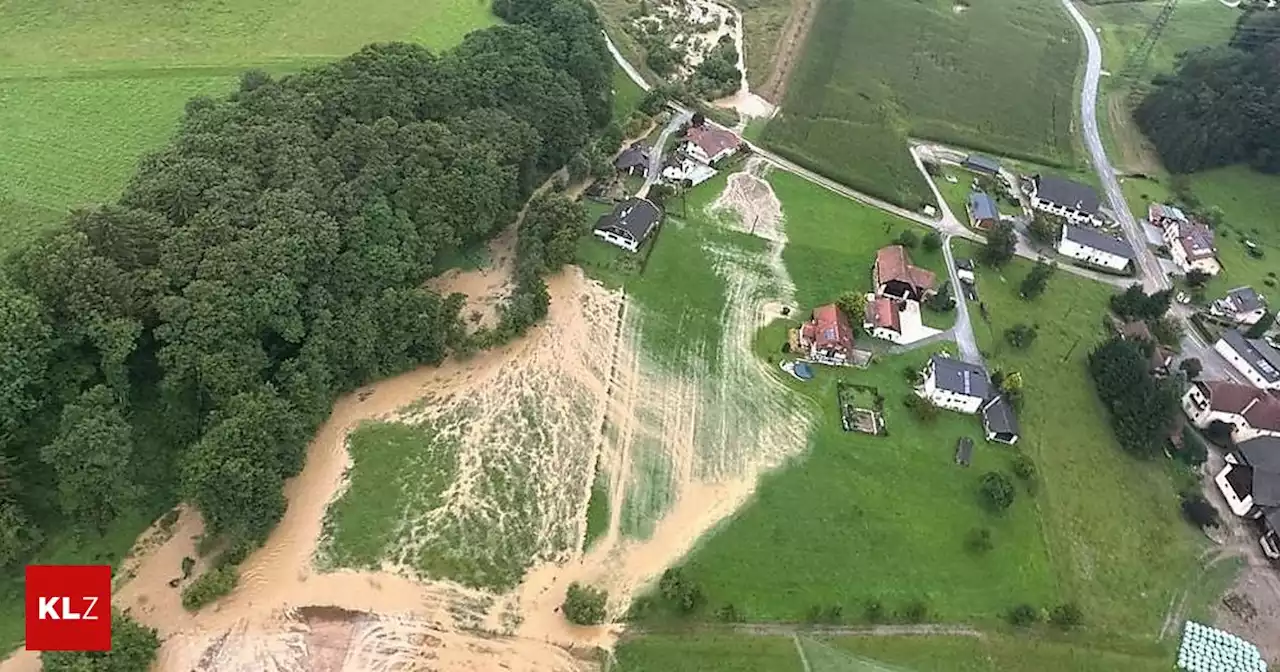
(68, 608)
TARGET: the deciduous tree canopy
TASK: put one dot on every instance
(273, 257)
(1223, 104)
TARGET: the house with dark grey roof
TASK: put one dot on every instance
(1253, 357)
(1058, 196)
(630, 223)
(1095, 248)
(1250, 484)
(981, 164)
(983, 211)
(1241, 305)
(633, 160)
(956, 385)
(999, 420)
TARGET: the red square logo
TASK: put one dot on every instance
(68, 608)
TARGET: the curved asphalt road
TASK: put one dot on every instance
(1153, 278)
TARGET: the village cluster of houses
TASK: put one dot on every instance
(635, 219)
(893, 314)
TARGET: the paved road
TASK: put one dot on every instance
(1153, 277)
(963, 330)
(625, 65)
(655, 153)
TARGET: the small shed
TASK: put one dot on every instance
(979, 163)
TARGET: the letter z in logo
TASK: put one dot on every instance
(68, 608)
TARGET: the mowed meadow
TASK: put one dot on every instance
(996, 75)
(87, 88)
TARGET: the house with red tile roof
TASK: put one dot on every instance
(707, 144)
(828, 336)
(894, 276)
(1251, 412)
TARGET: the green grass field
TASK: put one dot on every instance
(993, 652)
(87, 88)
(1116, 540)
(996, 76)
(1249, 201)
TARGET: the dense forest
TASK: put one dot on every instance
(1222, 106)
(185, 341)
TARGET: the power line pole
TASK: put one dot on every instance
(1135, 64)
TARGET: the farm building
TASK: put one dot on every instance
(828, 336)
(1250, 483)
(895, 320)
(894, 276)
(1077, 202)
(983, 211)
(1095, 248)
(981, 164)
(707, 144)
(630, 223)
(688, 172)
(1253, 357)
(1161, 215)
(1251, 412)
(999, 420)
(1241, 305)
(633, 160)
(956, 385)
(1191, 247)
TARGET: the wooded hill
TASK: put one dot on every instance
(186, 341)
(1222, 106)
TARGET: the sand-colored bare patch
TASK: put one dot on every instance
(486, 288)
(682, 450)
(743, 100)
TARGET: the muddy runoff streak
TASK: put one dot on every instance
(715, 435)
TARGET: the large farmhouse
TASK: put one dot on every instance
(630, 223)
(894, 276)
(966, 388)
(1253, 357)
(707, 144)
(1249, 411)
(828, 336)
(1055, 195)
(1095, 247)
(1250, 483)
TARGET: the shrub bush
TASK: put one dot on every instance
(1023, 615)
(997, 491)
(1067, 615)
(208, 587)
(873, 611)
(584, 605)
(915, 611)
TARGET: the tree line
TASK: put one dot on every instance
(185, 341)
(1222, 105)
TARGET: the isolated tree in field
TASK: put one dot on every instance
(1020, 335)
(1034, 284)
(1198, 510)
(1067, 615)
(908, 239)
(997, 491)
(1044, 229)
(854, 305)
(1001, 243)
(1197, 278)
(1264, 323)
(1192, 367)
(932, 241)
(93, 458)
(1141, 406)
(681, 591)
(133, 647)
(1134, 304)
(584, 605)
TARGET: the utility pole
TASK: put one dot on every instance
(1135, 64)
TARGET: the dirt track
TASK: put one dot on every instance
(803, 13)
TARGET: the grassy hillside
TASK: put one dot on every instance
(994, 75)
(87, 88)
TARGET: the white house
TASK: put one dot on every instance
(1191, 246)
(956, 385)
(1250, 481)
(689, 172)
(883, 319)
(1055, 195)
(1241, 305)
(1094, 247)
(707, 144)
(629, 224)
(1253, 357)
(999, 421)
(1249, 411)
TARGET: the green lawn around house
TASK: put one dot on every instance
(873, 72)
(626, 95)
(1040, 650)
(1116, 540)
(87, 88)
(1250, 202)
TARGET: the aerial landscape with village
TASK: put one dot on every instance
(645, 335)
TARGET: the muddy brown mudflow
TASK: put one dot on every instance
(680, 449)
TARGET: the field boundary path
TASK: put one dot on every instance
(965, 340)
